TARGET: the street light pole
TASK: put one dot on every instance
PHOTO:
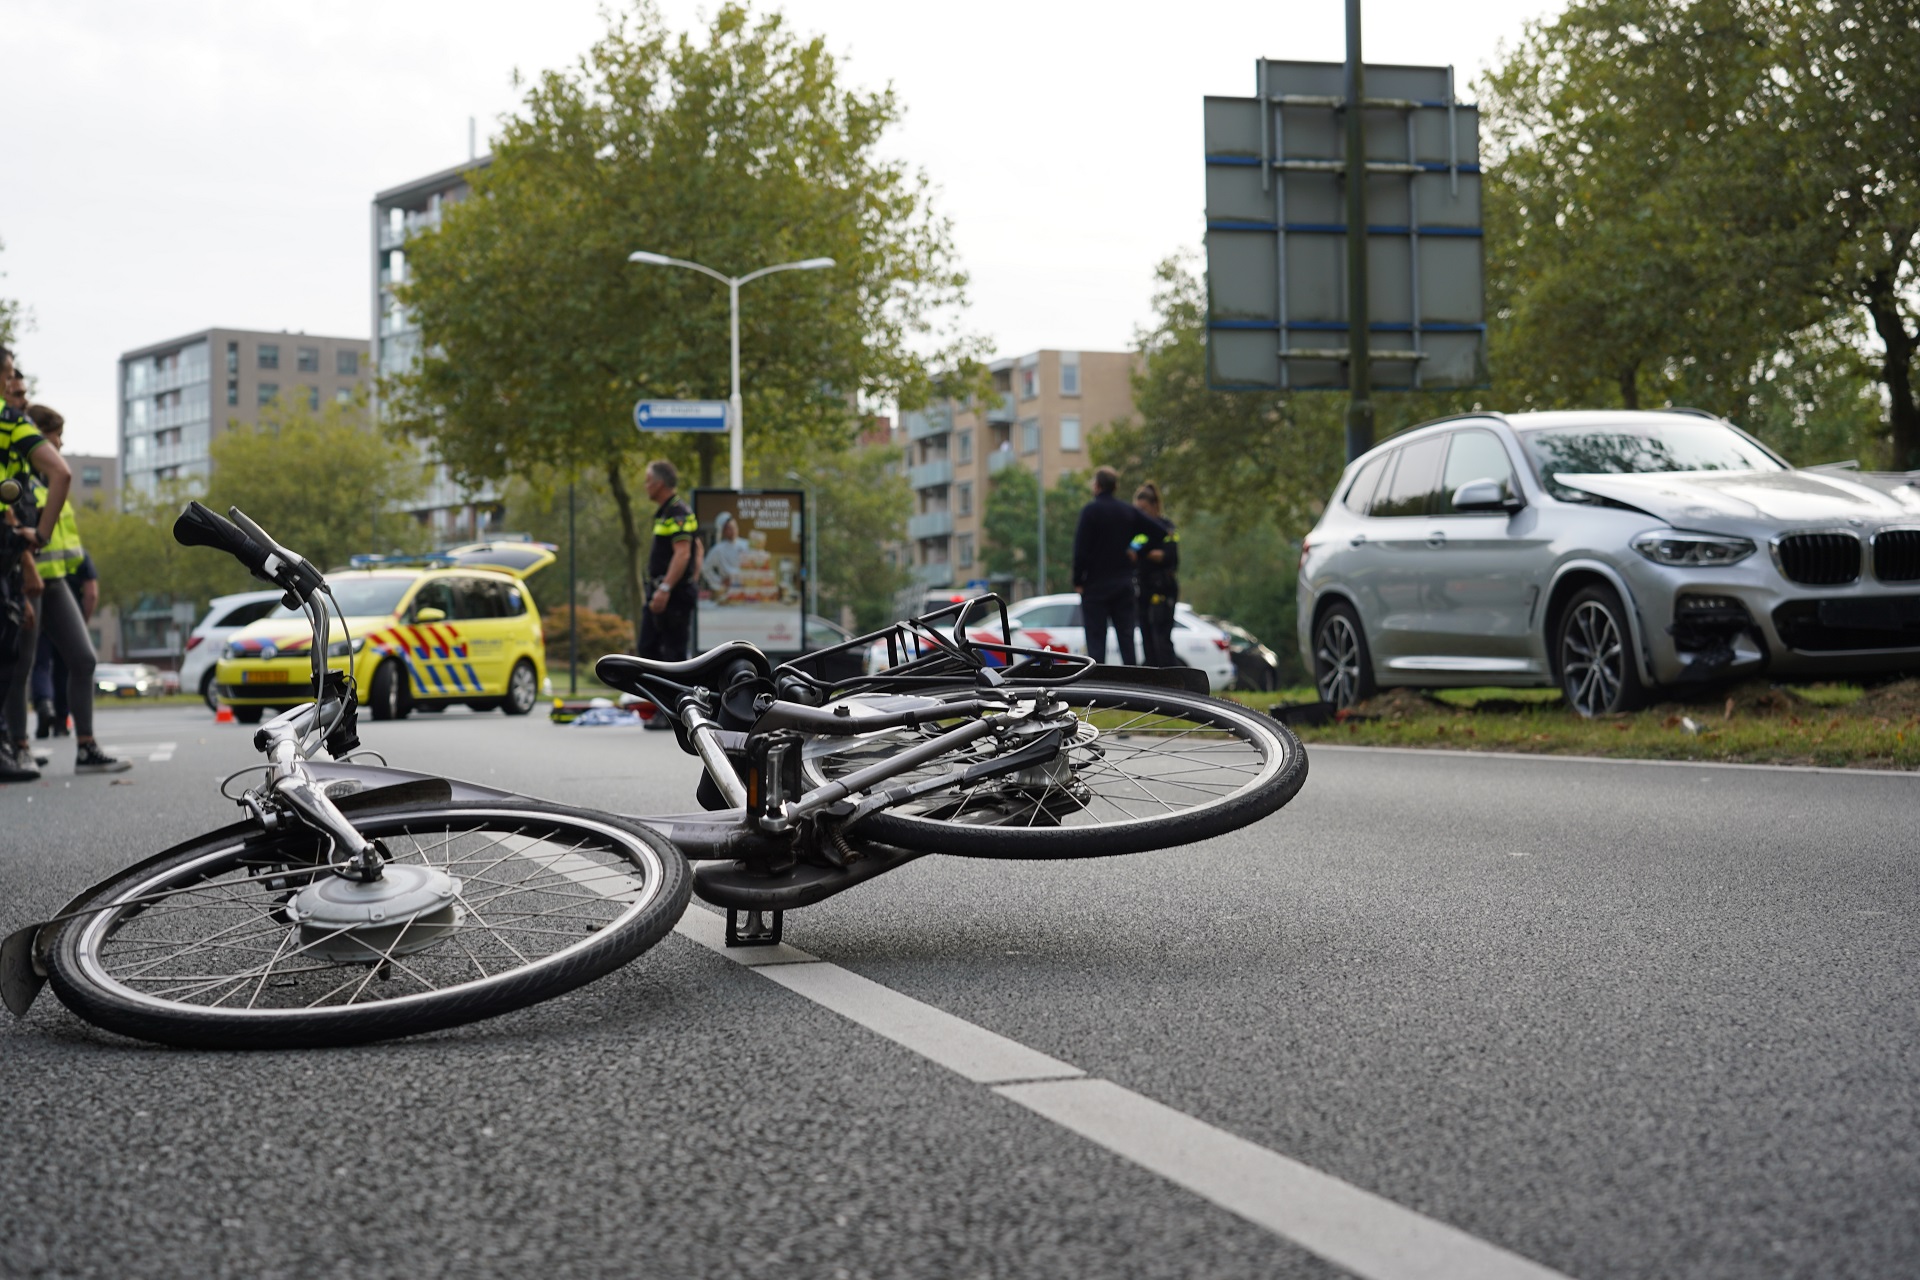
(736, 410)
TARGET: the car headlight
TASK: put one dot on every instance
(231, 650)
(346, 648)
(1692, 550)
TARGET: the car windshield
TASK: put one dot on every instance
(360, 597)
(1629, 448)
(114, 671)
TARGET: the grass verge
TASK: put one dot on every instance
(1837, 725)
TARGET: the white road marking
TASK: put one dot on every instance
(1352, 1228)
(156, 752)
(1457, 753)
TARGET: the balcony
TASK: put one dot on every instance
(934, 575)
(930, 475)
(1003, 413)
(924, 424)
(934, 524)
(999, 460)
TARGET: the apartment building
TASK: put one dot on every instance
(177, 396)
(454, 513)
(1045, 405)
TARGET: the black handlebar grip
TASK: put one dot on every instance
(199, 527)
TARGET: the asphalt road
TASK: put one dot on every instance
(1620, 1020)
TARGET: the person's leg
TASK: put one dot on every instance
(68, 631)
(676, 632)
(1093, 618)
(1120, 606)
(62, 704)
(16, 690)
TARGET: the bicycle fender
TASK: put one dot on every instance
(379, 777)
(1185, 679)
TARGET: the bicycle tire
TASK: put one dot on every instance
(1261, 763)
(568, 895)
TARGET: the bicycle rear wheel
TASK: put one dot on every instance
(1146, 768)
(241, 940)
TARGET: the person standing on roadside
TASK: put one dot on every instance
(1103, 566)
(667, 622)
(1156, 558)
(31, 522)
(63, 618)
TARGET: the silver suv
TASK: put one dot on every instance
(1607, 552)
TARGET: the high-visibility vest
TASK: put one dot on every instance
(63, 553)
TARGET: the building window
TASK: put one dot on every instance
(966, 549)
(343, 396)
(233, 391)
(1070, 434)
(308, 358)
(313, 398)
(269, 392)
(347, 363)
(1030, 435)
(233, 357)
(966, 499)
(1069, 373)
(1028, 381)
(89, 476)
(966, 446)
(269, 356)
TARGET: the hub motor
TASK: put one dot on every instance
(408, 909)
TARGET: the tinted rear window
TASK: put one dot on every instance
(1410, 491)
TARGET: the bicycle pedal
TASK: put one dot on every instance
(753, 928)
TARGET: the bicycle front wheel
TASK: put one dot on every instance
(1145, 768)
(243, 940)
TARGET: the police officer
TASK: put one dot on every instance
(63, 615)
(671, 566)
(1156, 559)
(22, 450)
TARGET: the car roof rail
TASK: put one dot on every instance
(1689, 409)
(1495, 414)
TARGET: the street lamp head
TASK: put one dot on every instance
(814, 264)
(650, 259)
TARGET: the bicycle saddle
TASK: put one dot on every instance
(711, 670)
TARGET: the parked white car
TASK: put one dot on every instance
(1054, 622)
(225, 615)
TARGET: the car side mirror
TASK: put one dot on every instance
(429, 614)
(1485, 495)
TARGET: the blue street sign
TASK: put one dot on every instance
(681, 415)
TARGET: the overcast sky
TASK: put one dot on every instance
(197, 163)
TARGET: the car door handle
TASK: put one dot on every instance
(1356, 540)
(1437, 538)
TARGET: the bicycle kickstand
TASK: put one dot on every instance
(753, 928)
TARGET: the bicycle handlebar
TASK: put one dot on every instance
(197, 526)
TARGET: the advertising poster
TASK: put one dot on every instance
(752, 580)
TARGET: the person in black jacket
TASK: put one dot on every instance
(1103, 566)
(1156, 552)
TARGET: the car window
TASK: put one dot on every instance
(1474, 455)
(475, 599)
(1050, 615)
(360, 597)
(1639, 447)
(241, 614)
(1410, 491)
(437, 594)
(1360, 492)
(513, 603)
(823, 635)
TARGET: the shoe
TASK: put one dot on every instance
(93, 760)
(11, 770)
(27, 756)
(39, 757)
(43, 719)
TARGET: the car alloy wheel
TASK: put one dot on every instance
(523, 690)
(1341, 666)
(1596, 659)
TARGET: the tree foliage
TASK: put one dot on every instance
(1010, 527)
(738, 149)
(1683, 197)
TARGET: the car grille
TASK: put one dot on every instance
(1834, 626)
(1819, 559)
(1896, 555)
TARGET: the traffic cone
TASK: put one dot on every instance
(224, 715)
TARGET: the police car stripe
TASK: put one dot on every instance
(473, 676)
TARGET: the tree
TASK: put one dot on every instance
(134, 552)
(738, 150)
(322, 484)
(1010, 525)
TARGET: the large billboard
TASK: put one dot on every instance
(752, 579)
(1277, 234)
